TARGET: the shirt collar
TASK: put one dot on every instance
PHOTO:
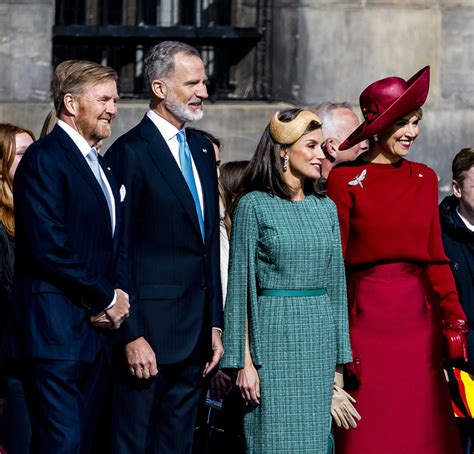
(80, 142)
(167, 130)
(463, 219)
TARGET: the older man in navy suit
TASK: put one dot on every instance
(172, 240)
(68, 290)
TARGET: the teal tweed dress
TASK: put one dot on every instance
(295, 341)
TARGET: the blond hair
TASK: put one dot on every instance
(72, 76)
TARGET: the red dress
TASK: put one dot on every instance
(399, 288)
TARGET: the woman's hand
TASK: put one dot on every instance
(248, 383)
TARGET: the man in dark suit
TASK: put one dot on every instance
(173, 336)
(67, 287)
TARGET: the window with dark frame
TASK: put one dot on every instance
(118, 33)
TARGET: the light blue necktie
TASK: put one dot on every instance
(187, 169)
(95, 167)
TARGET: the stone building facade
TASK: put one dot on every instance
(316, 50)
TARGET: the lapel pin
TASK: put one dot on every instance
(204, 150)
(108, 168)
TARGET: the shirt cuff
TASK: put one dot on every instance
(217, 329)
(111, 305)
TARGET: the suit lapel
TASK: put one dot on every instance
(77, 159)
(167, 166)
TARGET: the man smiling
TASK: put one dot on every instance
(172, 240)
(67, 288)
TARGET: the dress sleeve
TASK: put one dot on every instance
(338, 193)
(337, 293)
(241, 301)
(438, 270)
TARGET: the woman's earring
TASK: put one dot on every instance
(376, 137)
(285, 163)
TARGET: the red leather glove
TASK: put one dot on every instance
(455, 340)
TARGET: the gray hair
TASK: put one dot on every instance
(325, 112)
(159, 60)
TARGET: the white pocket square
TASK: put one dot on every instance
(123, 192)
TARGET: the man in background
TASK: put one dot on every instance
(338, 122)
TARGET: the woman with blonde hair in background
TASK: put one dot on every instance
(14, 425)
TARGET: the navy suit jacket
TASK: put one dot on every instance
(174, 275)
(66, 256)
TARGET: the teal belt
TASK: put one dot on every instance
(288, 292)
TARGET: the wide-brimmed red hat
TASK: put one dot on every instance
(385, 101)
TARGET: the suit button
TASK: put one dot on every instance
(203, 286)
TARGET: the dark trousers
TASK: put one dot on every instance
(65, 403)
(156, 415)
(15, 430)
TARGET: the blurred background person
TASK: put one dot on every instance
(15, 431)
(286, 324)
(221, 385)
(338, 121)
(49, 123)
(401, 292)
(230, 185)
(457, 224)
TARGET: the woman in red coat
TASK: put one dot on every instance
(402, 296)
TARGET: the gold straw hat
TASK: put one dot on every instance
(286, 133)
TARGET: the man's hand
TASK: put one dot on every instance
(217, 352)
(141, 358)
(220, 385)
(101, 320)
(120, 310)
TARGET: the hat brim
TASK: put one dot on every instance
(412, 99)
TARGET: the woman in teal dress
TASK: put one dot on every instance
(286, 326)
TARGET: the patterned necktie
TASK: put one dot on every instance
(187, 169)
(95, 167)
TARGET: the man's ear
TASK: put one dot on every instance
(159, 88)
(330, 148)
(457, 189)
(69, 103)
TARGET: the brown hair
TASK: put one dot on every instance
(72, 76)
(265, 168)
(8, 133)
(462, 162)
(230, 180)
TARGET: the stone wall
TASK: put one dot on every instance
(25, 49)
(319, 50)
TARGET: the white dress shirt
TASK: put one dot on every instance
(85, 148)
(466, 222)
(168, 131)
